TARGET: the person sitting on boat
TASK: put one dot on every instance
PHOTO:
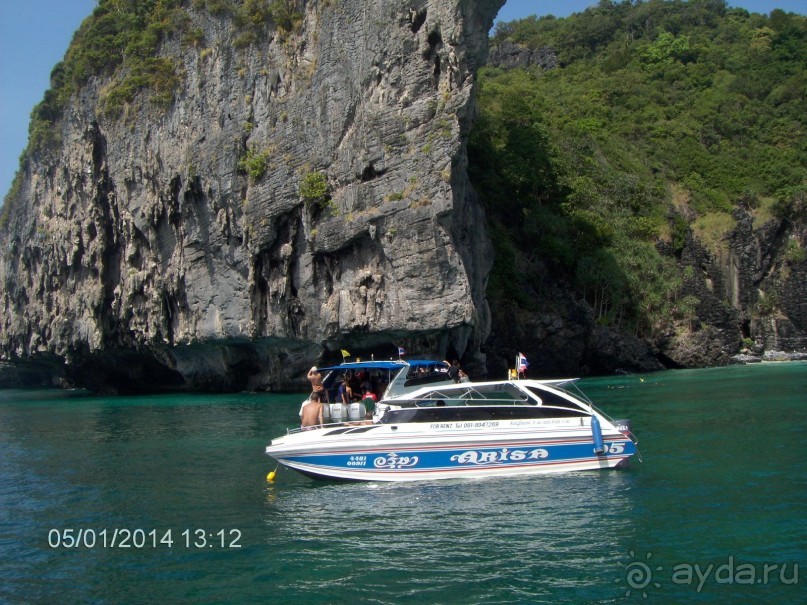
(316, 382)
(312, 412)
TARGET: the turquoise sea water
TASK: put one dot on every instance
(715, 513)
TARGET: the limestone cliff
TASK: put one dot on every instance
(751, 290)
(180, 246)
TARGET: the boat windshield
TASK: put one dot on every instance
(435, 412)
(551, 393)
(549, 397)
(501, 393)
(571, 390)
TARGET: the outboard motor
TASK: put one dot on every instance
(356, 411)
(625, 427)
(337, 412)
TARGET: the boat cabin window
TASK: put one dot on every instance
(479, 395)
(550, 398)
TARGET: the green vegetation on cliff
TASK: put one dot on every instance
(661, 117)
(118, 41)
(121, 41)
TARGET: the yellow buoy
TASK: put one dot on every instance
(270, 477)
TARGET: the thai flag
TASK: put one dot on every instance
(401, 351)
(521, 363)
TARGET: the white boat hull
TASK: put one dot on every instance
(412, 452)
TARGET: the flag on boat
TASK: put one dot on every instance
(521, 363)
(401, 351)
(345, 353)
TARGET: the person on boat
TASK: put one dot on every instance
(454, 371)
(354, 381)
(312, 412)
(345, 393)
(463, 377)
(369, 400)
(316, 382)
(367, 385)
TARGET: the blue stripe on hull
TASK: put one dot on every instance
(426, 463)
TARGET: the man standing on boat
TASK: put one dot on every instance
(345, 393)
(316, 383)
(454, 371)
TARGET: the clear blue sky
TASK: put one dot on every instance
(34, 35)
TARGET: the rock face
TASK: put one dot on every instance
(751, 293)
(563, 340)
(26, 375)
(142, 255)
(509, 55)
(750, 290)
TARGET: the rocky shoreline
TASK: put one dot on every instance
(25, 374)
(744, 358)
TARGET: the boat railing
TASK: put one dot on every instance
(463, 402)
(329, 425)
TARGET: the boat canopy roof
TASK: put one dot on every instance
(394, 364)
(507, 389)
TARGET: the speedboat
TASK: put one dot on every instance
(475, 429)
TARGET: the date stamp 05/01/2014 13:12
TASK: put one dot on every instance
(90, 538)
